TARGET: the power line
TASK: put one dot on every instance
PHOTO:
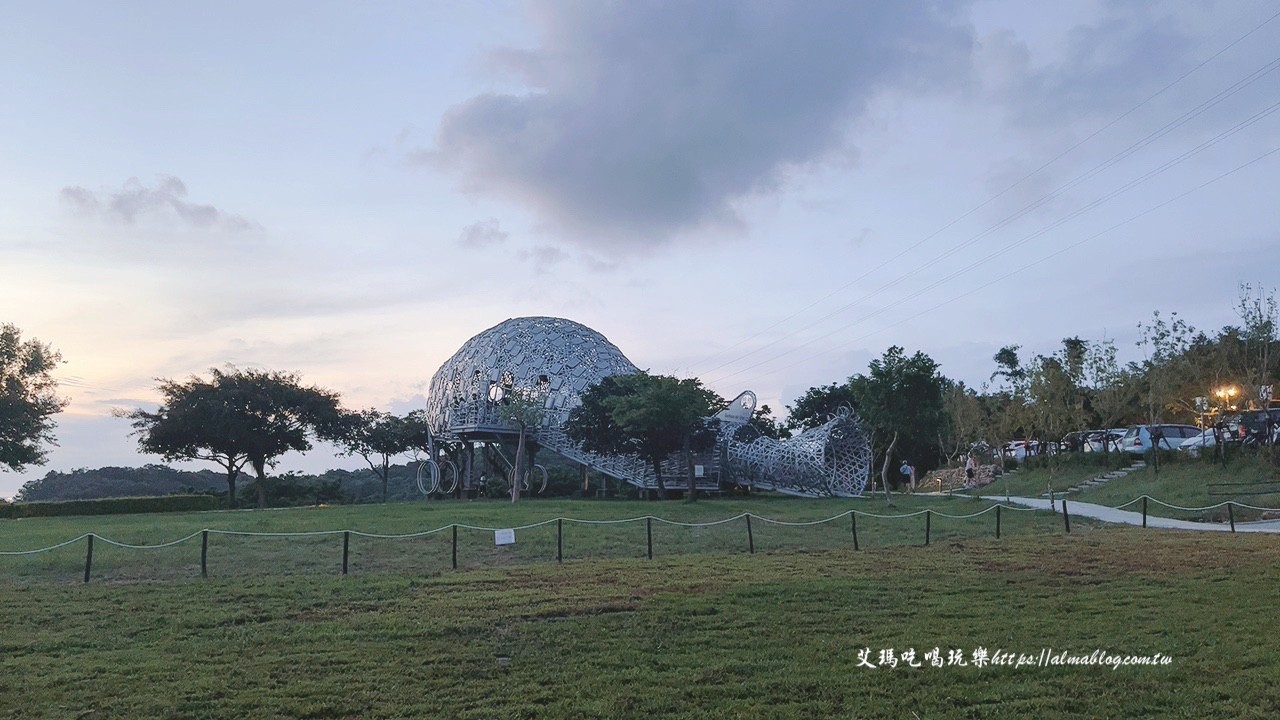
(1169, 127)
(1027, 209)
(1048, 257)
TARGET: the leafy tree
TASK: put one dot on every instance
(1258, 311)
(28, 399)
(764, 422)
(900, 400)
(1110, 390)
(1166, 343)
(1009, 367)
(377, 437)
(816, 406)
(648, 416)
(237, 418)
(968, 419)
(525, 410)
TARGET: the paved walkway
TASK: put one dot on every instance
(1126, 517)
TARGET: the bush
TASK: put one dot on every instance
(111, 506)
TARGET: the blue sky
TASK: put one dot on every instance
(762, 194)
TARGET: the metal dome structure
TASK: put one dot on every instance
(551, 358)
(554, 361)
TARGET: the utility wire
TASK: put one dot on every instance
(1048, 257)
(1042, 231)
(978, 207)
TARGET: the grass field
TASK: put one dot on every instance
(728, 635)
(1180, 481)
(250, 556)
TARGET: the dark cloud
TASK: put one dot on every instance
(483, 234)
(643, 119)
(167, 199)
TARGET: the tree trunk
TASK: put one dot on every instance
(657, 474)
(386, 470)
(260, 469)
(232, 473)
(516, 467)
(688, 463)
(884, 469)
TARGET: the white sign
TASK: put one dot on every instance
(504, 537)
(698, 471)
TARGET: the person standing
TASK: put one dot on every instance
(970, 470)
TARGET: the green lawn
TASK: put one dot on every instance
(731, 635)
(253, 556)
(1180, 481)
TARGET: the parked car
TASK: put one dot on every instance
(1203, 441)
(1256, 424)
(1094, 443)
(1137, 439)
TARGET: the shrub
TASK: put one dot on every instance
(111, 506)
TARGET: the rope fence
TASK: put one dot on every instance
(449, 547)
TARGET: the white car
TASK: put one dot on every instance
(1137, 440)
(1196, 444)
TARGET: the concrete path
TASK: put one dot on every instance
(1126, 517)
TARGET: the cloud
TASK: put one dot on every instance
(483, 234)
(1107, 63)
(135, 201)
(544, 257)
(643, 120)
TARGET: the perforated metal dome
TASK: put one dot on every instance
(557, 358)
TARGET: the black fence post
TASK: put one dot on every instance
(1230, 516)
(648, 532)
(928, 515)
(88, 558)
(751, 541)
(204, 554)
(1144, 511)
(454, 550)
(346, 548)
(1066, 519)
(853, 525)
(997, 522)
(559, 540)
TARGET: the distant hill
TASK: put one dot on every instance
(290, 488)
(107, 482)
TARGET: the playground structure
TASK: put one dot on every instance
(552, 361)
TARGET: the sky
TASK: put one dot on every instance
(765, 195)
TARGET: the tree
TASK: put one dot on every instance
(768, 426)
(648, 416)
(967, 419)
(1258, 311)
(1166, 343)
(28, 399)
(377, 437)
(900, 400)
(237, 418)
(525, 410)
(816, 406)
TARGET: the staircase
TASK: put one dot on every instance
(1098, 481)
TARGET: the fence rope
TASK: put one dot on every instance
(45, 549)
(584, 521)
(109, 541)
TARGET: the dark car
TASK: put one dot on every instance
(1257, 424)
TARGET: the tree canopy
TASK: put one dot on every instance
(378, 436)
(649, 416)
(28, 399)
(236, 418)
